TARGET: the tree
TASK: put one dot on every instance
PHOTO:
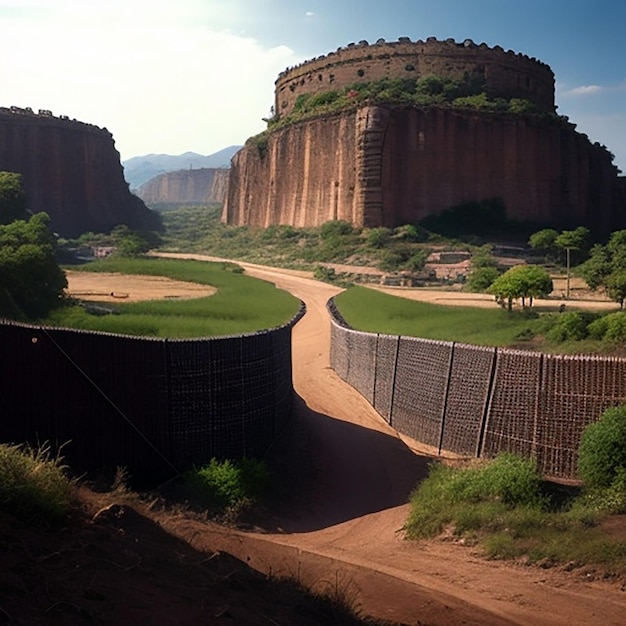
(31, 281)
(483, 270)
(606, 267)
(570, 240)
(521, 281)
(597, 267)
(12, 198)
(128, 242)
(544, 240)
(616, 286)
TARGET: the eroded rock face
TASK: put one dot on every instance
(198, 186)
(70, 170)
(388, 166)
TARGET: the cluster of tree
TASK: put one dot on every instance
(521, 281)
(550, 240)
(602, 267)
(606, 267)
(31, 281)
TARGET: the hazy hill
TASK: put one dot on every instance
(140, 169)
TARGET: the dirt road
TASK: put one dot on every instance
(340, 522)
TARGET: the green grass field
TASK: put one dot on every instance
(373, 311)
(534, 329)
(241, 305)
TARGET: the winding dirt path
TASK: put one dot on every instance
(340, 523)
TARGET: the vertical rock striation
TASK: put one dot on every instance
(393, 164)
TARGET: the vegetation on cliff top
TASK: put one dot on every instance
(429, 91)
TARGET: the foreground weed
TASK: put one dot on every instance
(33, 484)
(229, 485)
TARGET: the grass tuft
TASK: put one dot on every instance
(33, 484)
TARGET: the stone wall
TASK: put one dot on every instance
(70, 170)
(388, 166)
(197, 186)
(506, 74)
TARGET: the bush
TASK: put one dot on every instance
(570, 326)
(33, 484)
(602, 450)
(481, 278)
(508, 478)
(611, 327)
(231, 484)
(378, 237)
(616, 327)
(326, 274)
(448, 494)
(335, 228)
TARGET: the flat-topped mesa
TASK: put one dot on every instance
(46, 117)
(383, 161)
(71, 170)
(505, 74)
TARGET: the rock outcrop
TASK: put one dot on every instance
(379, 166)
(393, 164)
(70, 170)
(197, 186)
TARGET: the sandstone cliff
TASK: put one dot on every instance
(70, 170)
(388, 166)
(198, 186)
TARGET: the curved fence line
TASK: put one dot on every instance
(479, 401)
(153, 406)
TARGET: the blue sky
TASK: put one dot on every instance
(198, 75)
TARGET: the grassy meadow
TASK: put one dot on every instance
(372, 311)
(241, 305)
(532, 329)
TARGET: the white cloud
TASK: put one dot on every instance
(582, 90)
(589, 90)
(160, 79)
(309, 14)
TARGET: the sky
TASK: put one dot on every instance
(172, 76)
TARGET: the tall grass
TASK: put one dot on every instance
(33, 484)
(504, 506)
(241, 304)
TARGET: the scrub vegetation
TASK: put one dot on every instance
(505, 506)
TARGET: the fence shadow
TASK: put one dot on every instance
(330, 471)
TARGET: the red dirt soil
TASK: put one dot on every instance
(336, 525)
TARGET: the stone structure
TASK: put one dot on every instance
(193, 186)
(388, 165)
(505, 74)
(70, 170)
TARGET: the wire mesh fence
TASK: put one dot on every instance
(479, 401)
(153, 406)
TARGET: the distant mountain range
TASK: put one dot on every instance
(140, 169)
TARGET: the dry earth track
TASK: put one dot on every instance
(341, 525)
